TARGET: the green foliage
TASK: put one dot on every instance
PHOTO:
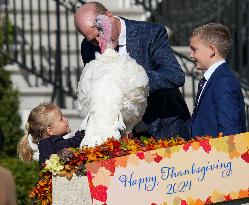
(9, 104)
(9, 117)
(6, 32)
(25, 174)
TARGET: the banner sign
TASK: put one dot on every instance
(203, 172)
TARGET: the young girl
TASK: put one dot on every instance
(45, 129)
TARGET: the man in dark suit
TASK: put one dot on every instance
(219, 105)
(167, 113)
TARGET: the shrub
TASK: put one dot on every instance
(10, 119)
(25, 174)
(9, 104)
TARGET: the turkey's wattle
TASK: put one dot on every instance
(103, 24)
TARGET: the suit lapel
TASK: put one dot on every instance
(217, 72)
(132, 39)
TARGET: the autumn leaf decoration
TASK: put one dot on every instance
(245, 156)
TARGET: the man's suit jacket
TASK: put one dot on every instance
(221, 106)
(148, 44)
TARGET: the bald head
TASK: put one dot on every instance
(84, 17)
(84, 20)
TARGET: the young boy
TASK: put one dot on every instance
(219, 105)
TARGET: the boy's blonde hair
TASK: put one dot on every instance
(40, 118)
(216, 34)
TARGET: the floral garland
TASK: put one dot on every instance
(73, 160)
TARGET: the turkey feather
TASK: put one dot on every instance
(111, 96)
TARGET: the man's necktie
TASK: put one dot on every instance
(200, 87)
(117, 48)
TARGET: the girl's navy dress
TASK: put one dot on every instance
(54, 144)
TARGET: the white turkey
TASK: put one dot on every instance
(112, 92)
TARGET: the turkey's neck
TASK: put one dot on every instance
(105, 42)
(105, 36)
(109, 37)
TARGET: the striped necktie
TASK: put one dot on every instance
(200, 87)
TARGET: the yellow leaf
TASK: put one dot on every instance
(121, 161)
(217, 196)
(195, 145)
(177, 201)
(176, 149)
(234, 154)
(133, 159)
(242, 142)
(149, 157)
(161, 152)
(234, 195)
(220, 144)
(199, 202)
(167, 153)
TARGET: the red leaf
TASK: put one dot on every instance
(208, 201)
(116, 144)
(245, 156)
(205, 145)
(183, 202)
(109, 164)
(158, 158)
(227, 197)
(90, 177)
(186, 146)
(140, 155)
(99, 193)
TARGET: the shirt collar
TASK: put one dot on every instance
(122, 35)
(212, 68)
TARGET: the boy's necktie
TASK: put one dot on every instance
(200, 87)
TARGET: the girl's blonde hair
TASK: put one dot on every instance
(40, 118)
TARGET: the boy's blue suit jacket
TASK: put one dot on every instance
(148, 44)
(221, 106)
